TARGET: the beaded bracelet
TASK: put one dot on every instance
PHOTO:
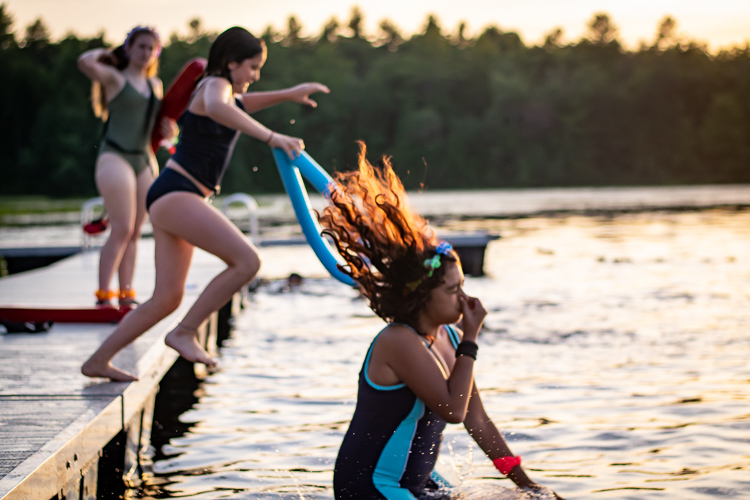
(506, 464)
(467, 348)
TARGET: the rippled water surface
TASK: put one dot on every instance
(614, 358)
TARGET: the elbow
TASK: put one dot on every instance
(454, 417)
(84, 64)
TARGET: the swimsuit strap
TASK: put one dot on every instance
(150, 108)
(192, 96)
(452, 335)
(197, 87)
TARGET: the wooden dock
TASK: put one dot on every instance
(54, 422)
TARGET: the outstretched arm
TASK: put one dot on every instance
(488, 437)
(256, 101)
(216, 101)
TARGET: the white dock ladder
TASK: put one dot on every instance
(252, 212)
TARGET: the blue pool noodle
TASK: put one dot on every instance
(290, 171)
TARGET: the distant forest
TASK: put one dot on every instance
(454, 112)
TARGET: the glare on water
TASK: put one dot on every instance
(614, 359)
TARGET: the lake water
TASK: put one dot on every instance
(614, 359)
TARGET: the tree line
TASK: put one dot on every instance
(453, 111)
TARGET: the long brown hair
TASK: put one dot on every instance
(119, 59)
(383, 241)
(233, 45)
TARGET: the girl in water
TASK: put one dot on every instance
(418, 372)
(126, 94)
(177, 202)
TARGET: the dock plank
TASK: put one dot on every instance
(53, 420)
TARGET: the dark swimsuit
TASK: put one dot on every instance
(128, 129)
(392, 443)
(203, 150)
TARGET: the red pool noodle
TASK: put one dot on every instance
(177, 96)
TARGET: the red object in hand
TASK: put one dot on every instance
(177, 96)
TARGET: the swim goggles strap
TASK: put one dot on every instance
(506, 464)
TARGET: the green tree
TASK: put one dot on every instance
(6, 34)
(601, 30)
(454, 111)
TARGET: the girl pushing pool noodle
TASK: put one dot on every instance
(178, 204)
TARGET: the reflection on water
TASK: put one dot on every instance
(614, 359)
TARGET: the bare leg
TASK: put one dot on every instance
(175, 239)
(173, 257)
(211, 231)
(116, 183)
(127, 264)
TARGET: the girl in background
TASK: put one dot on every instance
(126, 94)
(177, 202)
(418, 372)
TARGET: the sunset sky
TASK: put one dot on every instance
(718, 23)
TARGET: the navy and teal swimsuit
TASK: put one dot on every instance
(392, 443)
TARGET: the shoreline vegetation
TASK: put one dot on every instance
(454, 112)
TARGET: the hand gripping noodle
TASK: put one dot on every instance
(291, 174)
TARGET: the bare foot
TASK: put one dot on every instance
(92, 369)
(184, 340)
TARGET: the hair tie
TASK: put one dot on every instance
(444, 248)
(506, 464)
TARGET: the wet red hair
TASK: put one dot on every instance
(383, 241)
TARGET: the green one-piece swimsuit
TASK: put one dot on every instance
(128, 129)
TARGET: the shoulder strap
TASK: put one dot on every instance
(150, 107)
(452, 334)
(198, 85)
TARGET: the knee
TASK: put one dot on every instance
(135, 235)
(167, 301)
(248, 264)
(121, 232)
